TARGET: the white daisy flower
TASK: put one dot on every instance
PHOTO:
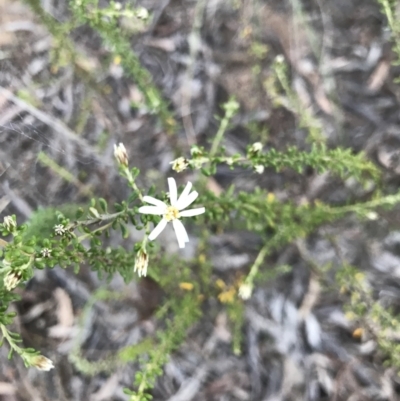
(172, 212)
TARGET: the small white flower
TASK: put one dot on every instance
(46, 252)
(59, 229)
(259, 168)
(179, 164)
(245, 291)
(172, 212)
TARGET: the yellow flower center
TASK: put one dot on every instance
(172, 213)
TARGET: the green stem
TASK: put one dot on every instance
(10, 341)
(132, 182)
(102, 228)
(389, 200)
(219, 135)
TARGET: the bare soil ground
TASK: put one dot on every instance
(297, 345)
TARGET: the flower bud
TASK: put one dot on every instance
(195, 151)
(372, 215)
(121, 155)
(231, 107)
(41, 362)
(12, 279)
(256, 148)
(245, 291)
(9, 223)
(259, 168)
(141, 262)
(142, 13)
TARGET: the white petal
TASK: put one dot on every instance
(157, 230)
(152, 210)
(188, 200)
(178, 226)
(173, 192)
(154, 201)
(193, 212)
(181, 234)
(184, 193)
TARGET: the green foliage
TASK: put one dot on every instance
(114, 360)
(42, 221)
(55, 237)
(337, 161)
(105, 21)
(279, 89)
(185, 311)
(380, 322)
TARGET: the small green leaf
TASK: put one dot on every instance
(206, 171)
(103, 205)
(124, 230)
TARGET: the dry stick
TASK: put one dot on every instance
(54, 123)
